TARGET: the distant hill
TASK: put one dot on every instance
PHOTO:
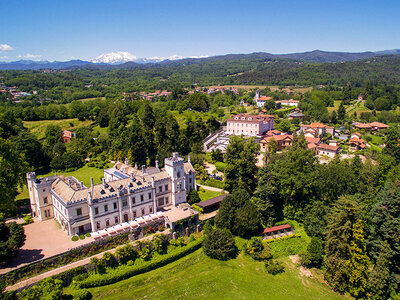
(316, 56)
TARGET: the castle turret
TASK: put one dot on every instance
(175, 168)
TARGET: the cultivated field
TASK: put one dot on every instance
(38, 127)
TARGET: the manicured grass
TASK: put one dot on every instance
(374, 139)
(83, 174)
(23, 193)
(207, 194)
(38, 127)
(197, 276)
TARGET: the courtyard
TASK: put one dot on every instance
(43, 239)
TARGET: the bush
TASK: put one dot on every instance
(83, 295)
(125, 254)
(81, 236)
(124, 272)
(27, 220)
(219, 244)
(88, 234)
(274, 267)
(75, 238)
(193, 197)
(257, 249)
(160, 243)
(109, 260)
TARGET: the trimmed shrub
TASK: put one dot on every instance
(82, 237)
(83, 295)
(75, 238)
(124, 272)
(88, 234)
(274, 267)
(27, 220)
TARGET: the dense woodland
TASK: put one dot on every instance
(350, 208)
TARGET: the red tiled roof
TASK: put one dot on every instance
(264, 98)
(276, 228)
(312, 140)
(328, 147)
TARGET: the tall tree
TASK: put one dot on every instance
(380, 281)
(341, 114)
(240, 157)
(344, 214)
(358, 262)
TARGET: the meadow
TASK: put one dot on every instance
(197, 276)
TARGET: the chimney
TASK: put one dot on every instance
(157, 164)
(132, 176)
(81, 184)
(175, 155)
(91, 181)
(126, 161)
(90, 197)
(69, 182)
(152, 181)
(189, 159)
(104, 182)
(136, 166)
(143, 169)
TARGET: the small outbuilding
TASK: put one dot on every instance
(277, 231)
(212, 204)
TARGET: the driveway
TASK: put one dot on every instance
(43, 239)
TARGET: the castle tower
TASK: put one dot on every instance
(175, 169)
(31, 178)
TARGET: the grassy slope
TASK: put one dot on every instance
(38, 127)
(350, 109)
(199, 277)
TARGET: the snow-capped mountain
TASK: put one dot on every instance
(114, 58)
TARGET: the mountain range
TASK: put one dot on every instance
(125, 60)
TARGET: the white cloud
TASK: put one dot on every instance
(28, 55)
(114, 57)
(5, 47)
(3, 57)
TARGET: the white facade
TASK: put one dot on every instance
(125, 194)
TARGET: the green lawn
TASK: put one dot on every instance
(207, 194)
(38, 127)
(197, 276)
(83, 174)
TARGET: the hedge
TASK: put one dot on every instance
(64, 259)
(213, 182)
(125, 272)
(220, 166)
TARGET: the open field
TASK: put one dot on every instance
(358, 107)
(38, 127)
(272, 87)
(91, 99)
(197, 276)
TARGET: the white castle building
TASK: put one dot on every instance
(126, 193)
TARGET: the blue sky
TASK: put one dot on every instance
(84, 29)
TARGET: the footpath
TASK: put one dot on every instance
(32, 280)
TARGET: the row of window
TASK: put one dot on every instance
(47, 213)
(126, 218)
(160, 188)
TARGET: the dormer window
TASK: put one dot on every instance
(250, 118)
(112, 189)
(243, 118)
(236, 118)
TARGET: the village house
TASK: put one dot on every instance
(67, 136)
(317, 130)
(356, 142)
(290, 102)
(375, 126)
(296, 114)
(312, 142)
(126, 193)
(283, 140)
(327, 150)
